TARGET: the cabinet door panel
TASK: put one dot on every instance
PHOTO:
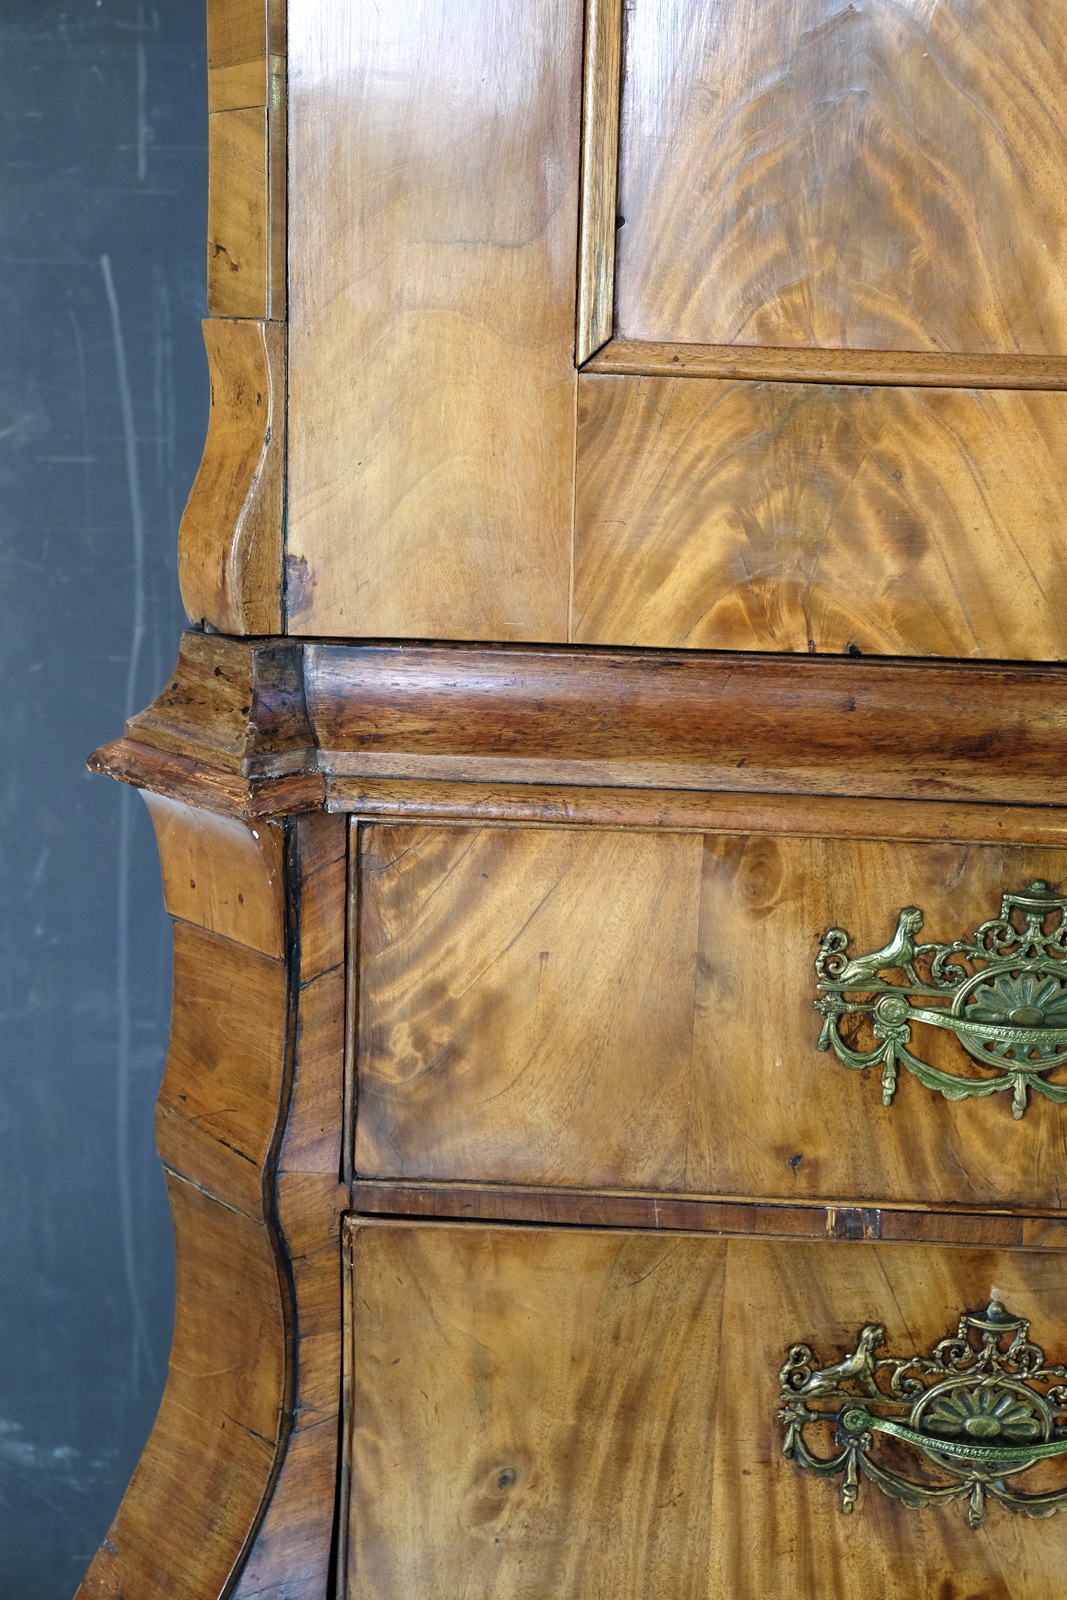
(787, 516)
(876, 176)
(592, 1416)
(635, 1010)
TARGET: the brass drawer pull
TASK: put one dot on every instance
(980, 1408)
(1002, 992)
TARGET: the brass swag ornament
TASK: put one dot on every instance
(981, 1408)
(1003, 993)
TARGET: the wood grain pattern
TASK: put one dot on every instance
(600, 167)
(770, 516)
(221, 875)
(671, 810)
(778, 1293)
(230, 540)
(245, 44)
(700, 721)
(431, 430)
(200, 784)
(239, 707)
(550, 1412)
(598, 1208)
(942, 370)
(261, 727)
(481, 1358)
(635, 1011)
(235, 1489)
(292, 1553)
(871, 177)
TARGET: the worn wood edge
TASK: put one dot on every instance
(599, 175)
(685, 811)
(238, 703)
(550, 805)
(268, 725)
(731, 1216)
(230, 536)
(921, 369)
(200, 784)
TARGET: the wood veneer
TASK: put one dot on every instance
(579, 1413)
(895, 521)
(431, 431)
(234, 1491)
(794, 172)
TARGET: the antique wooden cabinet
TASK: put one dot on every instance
(611, 803)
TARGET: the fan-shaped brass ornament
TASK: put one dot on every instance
(981, 1408)
(1002, 992)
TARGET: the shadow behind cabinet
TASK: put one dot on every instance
(610, 803)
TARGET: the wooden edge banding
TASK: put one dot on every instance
(551, 805)
(600, 161)
(916, 368)
(589, 1209)
(817, 816)
(230, 539)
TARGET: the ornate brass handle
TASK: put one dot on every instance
(980, 1408)
(1002, 992)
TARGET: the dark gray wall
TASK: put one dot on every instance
(103, 400)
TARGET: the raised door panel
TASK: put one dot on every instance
(636, 1011)
(593, 1416)
(877, 176)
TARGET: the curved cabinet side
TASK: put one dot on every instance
(206, 1486)
(230, 540)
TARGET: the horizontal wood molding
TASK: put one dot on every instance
(613, 738)
(914, 368)
(590, 1208)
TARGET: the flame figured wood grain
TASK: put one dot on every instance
(434, 218)
(544, 1411)
(230, 541)
(876, 176)
(635, 1011)
(894, 521)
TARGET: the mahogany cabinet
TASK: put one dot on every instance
(610, 799)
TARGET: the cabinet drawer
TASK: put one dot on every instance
(628, 1009)
(539, 1411)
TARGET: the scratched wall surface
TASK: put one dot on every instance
(103, 400)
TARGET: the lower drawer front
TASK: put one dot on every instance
(545, 1414)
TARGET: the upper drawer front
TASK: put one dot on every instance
(593, 1415)
(636, 1010)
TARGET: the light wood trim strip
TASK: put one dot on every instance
(600, 165)
(913, 368)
